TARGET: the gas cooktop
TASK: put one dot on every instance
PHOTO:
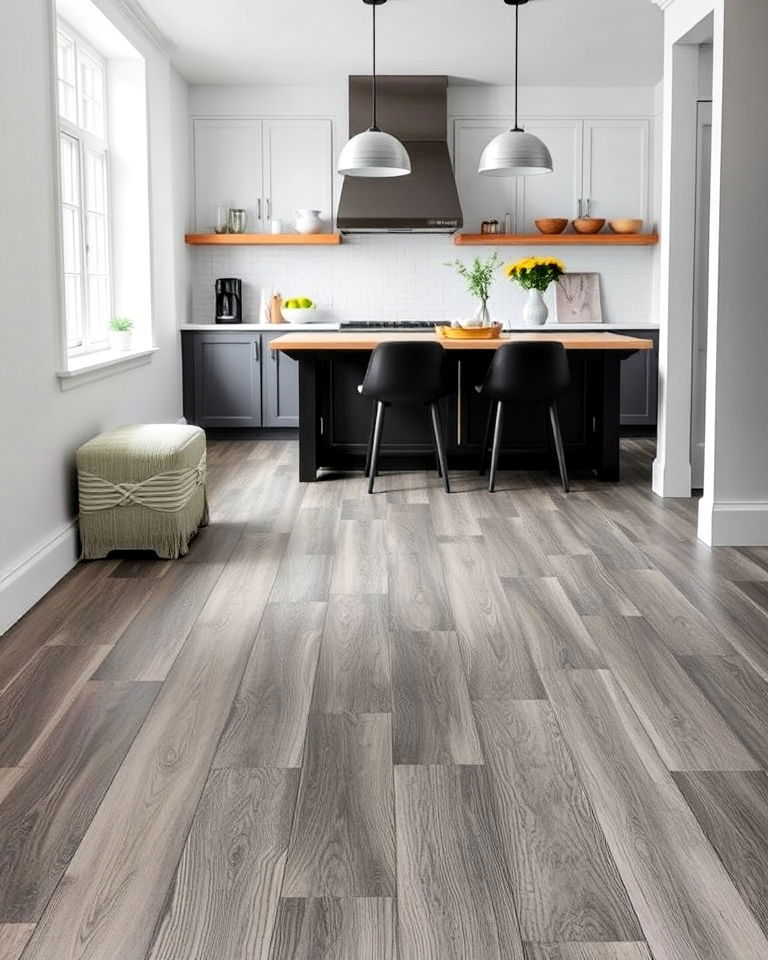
(415, 325)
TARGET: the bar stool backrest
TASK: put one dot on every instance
(403, 372)
(528, 373)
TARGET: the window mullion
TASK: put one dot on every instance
(85, 286)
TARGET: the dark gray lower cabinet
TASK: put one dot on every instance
(639, 383)
(280, 386)
(226, 379)
(235, 380)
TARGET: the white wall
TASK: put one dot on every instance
(357, 278)
(40, 426)
(734, 508)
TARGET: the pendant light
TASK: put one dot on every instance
(515, 153)
(374, 153)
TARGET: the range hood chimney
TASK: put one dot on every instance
(415, 110)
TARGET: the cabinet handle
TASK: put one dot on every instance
(258, 209)
(269, 209)
(581, 203)
(458, 397)
(589, 207)
(255, 351)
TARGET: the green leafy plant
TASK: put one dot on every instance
(478, 274)
(121, 324)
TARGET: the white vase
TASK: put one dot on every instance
(308, 221)
(483, 316)
(535, 311)
(120, 340)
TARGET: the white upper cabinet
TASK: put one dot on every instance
(271, 168)
(482, 198)
(601, 168)
(616, 168)
(228, 170)
(298, 169)
(555, 194)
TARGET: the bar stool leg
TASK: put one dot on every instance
(555, 421)
(486, 441)
(496, 445)
(369, 451)
(378, 427)
(438, 432)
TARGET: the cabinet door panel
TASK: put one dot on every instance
(482, 198)
(639, 383)
(227, 379)
(228, 170)
(553, 194)
(281, 386)
(616, 167)
(298, 156)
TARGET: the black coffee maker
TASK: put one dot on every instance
(229, 300)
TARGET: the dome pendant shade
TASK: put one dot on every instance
(374, 153)
(515, 154)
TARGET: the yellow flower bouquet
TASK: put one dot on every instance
(535, 273)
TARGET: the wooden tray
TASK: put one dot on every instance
(470, 333)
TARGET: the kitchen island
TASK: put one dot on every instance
(334, 420)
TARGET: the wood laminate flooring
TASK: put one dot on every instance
(407, 726)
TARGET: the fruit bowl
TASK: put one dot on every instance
(551, 225)
(299, 314)
(588, 224)
(626, 226)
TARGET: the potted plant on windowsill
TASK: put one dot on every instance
(479, 277)
(120, 329)
(535, 274)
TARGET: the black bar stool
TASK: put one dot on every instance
(404, 373)
(528, 373)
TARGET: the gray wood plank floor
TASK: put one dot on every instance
(411, 726)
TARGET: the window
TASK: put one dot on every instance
(83, 171)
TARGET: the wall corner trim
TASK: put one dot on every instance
(23, 585)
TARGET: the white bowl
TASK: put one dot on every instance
(299, 314)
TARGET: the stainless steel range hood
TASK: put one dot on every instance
(415, 110)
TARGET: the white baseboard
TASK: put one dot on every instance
(671, 480)
(26, 583)
(733, 524)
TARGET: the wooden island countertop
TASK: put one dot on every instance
(360, 340)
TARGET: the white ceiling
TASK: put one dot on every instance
(563, 42)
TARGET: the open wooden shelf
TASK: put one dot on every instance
(554, 240)
(264, 239)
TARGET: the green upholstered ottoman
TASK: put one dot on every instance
(142, 488)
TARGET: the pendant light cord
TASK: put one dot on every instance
(373, 124)
(517, 61)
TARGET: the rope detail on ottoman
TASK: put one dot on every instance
(166, 492)
(142, 487)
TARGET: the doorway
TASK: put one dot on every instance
(700, 291)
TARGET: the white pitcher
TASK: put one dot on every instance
(308, 221)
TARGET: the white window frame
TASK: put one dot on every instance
(86, 141)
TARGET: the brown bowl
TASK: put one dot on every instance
(551, 225)
(588, 224)
(626, 226)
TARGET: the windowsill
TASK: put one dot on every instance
(97, 366)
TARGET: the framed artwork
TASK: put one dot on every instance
(577, 298)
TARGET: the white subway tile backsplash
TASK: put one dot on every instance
(405, 276)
